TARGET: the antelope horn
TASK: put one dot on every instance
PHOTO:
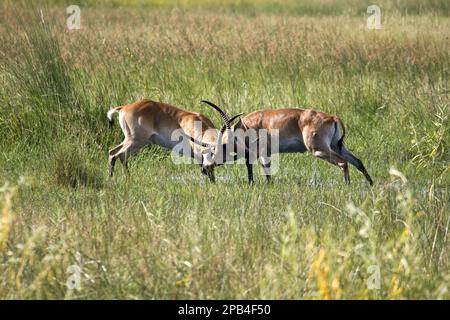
(222, 113)
(231, 121)
(222, 130)
(203, 144)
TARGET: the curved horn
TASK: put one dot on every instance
(224, 127)
(203, 144)
(222, 130)
(222, 113)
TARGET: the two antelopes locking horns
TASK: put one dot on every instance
(146, 122)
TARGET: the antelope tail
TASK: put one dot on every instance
(337, 122)
(111, 112)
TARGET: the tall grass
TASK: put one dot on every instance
(165, 232)
(287, 7)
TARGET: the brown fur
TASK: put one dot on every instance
(318, 131)
(145, 119)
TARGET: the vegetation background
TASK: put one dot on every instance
(166, 232)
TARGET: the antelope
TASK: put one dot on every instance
(300, 130)
(147, 122)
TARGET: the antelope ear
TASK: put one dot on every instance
(238, 125)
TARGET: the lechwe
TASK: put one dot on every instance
(147, 122)
(298, 130)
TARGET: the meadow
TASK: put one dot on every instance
(165, 232)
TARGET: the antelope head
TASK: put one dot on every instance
(227, 146)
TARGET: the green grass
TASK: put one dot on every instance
(286, 7)
(166, 232)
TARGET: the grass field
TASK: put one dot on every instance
(166, 232)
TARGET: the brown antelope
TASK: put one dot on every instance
(146, 122)
(300, 130)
